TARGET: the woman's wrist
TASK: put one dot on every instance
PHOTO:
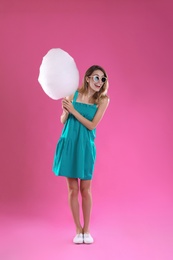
(64, 116)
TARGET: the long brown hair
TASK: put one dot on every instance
(103, 90)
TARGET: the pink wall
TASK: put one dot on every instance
(132, 40)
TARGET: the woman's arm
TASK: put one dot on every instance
(87, 123)
(64, 116)
(65, 112)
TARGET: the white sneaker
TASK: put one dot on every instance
(88, 238)
(78, 239)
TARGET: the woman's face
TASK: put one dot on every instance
(96, 80)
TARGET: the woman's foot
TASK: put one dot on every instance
(78, 239)
(88, 239)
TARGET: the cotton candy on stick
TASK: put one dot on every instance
(59, 76)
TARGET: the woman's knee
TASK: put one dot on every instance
(85, 192)
(73, 191)
(73, 188)
(85, 189)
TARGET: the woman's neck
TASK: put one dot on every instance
(87, 96)
(90, 92)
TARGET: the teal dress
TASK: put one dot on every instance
(75, 152)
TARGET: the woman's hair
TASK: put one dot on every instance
(103, 90)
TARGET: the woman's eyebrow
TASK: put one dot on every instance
(98, 75)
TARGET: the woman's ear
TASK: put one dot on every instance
(87, 79)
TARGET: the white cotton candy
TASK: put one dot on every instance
(59, 76)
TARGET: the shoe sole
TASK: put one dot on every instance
(78, 242)
(88, 242)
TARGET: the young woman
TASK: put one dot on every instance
(75, 153)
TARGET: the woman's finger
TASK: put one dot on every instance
(65, 102)
(66, 106)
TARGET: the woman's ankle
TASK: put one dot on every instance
(86, 230)
(79, 230)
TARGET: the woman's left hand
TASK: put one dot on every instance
(68, 106)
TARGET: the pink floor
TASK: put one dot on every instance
(120, 235)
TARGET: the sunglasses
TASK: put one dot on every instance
(97, 78)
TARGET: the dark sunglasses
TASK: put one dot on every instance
(96, 78)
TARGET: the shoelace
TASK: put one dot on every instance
(87, 235)
(79, 235)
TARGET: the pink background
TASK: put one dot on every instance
(133, 180)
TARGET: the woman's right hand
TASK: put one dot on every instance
(65, 113)
(63, 108)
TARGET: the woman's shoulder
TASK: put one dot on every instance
(70, 97)
(104, 100)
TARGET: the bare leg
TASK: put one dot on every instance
(73, 191)
(85, 188)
